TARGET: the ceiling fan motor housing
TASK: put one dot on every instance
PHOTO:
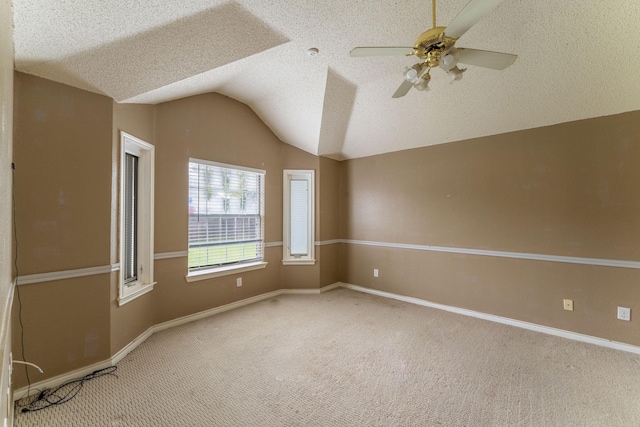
(431, 44)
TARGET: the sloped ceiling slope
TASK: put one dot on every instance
(576, 59)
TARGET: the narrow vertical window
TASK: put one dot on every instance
(130, 243)
(136, 218)
(298, 214)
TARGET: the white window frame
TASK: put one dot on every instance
(146, 169)
(225, 270)
(288, 176)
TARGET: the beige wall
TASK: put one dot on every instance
(68, 140)
(570, 190)
(63, 157)
(216, 128)
(62, 149)
(6, 156)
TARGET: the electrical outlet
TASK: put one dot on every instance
(568, 304)
(624, 313)
(375, 272)
(239, 282)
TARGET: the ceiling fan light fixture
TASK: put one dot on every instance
(449, 59)
(456, 73)
(411, 75)
(423, 84)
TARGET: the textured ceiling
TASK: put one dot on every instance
(576, 59)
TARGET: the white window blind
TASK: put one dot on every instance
(226, 210)
(299, 219)
(130, 214)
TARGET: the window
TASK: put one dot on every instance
(298, 214)
(136, 218)
(129, 262)
(226, 219)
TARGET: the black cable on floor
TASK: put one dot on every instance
(64, 392)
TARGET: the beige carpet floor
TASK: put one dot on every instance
(345, 358)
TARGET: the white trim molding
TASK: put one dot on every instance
(310, 291)
(327, 242)
(68, 274)
(194, 276)
(241, 303)
(602, 342)
(62, 275)
(136, 279)
(302, 262)
(517, 255)
(168, 255)
(116, 358)
(137, 292)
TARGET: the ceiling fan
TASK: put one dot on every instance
(436, 47)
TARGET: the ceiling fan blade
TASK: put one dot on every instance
(486, 58)
(407, 84)
(381, 51)
(403, 89)
(473, 12)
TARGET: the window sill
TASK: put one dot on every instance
(136, 291)
(298, 262)
(195, 276)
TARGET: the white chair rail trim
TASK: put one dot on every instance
(603, 262)
(503, 254)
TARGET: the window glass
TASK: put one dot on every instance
(130, 213)
(298, 215)
(299, 219)
(225, 215)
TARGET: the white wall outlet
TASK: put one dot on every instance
(624, 313)
(239, 282)
(568, 304)
(375, 272)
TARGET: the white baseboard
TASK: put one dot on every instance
(330, 287)
(78, 373)
(310, 291)
(81, 372)
(203, 314)
(499, 319)
(131, 346)
(60, 379)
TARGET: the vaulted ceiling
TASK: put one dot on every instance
(576, 59)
